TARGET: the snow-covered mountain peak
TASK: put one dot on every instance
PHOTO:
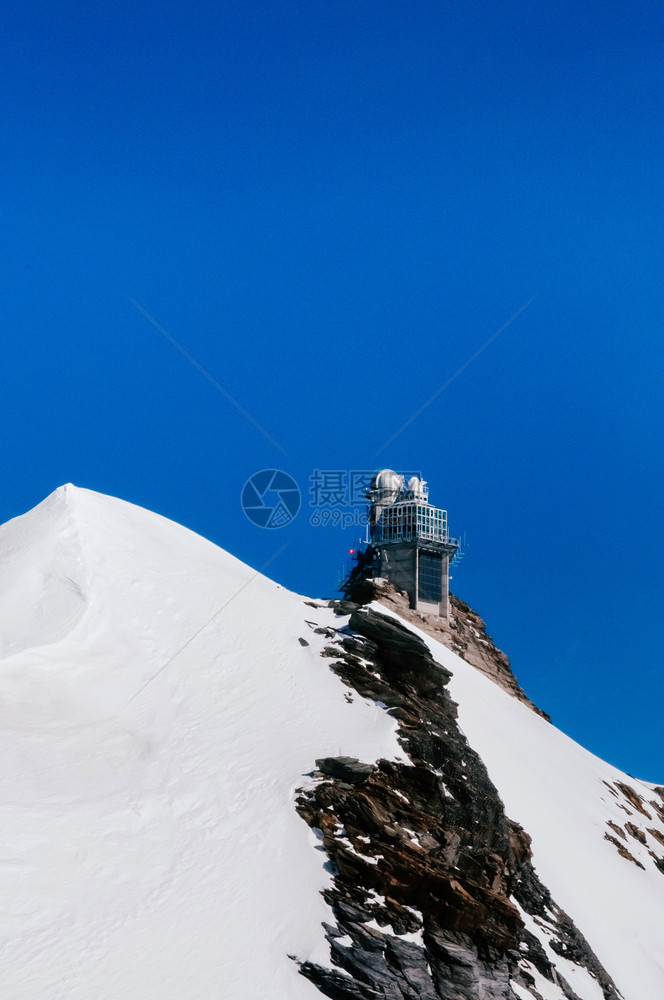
(164, 708)
(81, 563)
(41, 576)
(158, 712)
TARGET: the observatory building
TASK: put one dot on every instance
(410, 541)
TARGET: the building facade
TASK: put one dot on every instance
(411, 539)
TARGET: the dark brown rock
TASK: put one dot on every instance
(464, 633)
(425, 845)
(348, 769)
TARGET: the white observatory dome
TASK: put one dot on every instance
(389, 483)
(417, 486)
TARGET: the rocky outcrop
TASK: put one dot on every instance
(464, 633)
(649, 837)
(348, 769)
(432, 881)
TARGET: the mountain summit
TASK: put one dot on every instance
(212, 787)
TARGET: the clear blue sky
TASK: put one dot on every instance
(331, 206)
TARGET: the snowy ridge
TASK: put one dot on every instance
(149, 846)
(42, 576)
(566, 799)
(149, 841)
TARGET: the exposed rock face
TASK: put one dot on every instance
(348, 769)
(431, 879)
(633, 803)
(464, 633)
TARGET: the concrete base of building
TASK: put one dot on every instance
(420, 570)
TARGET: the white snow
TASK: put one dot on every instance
(545, 989)
(578, 978)
(157, 714)
(555, 789)
(149, 846)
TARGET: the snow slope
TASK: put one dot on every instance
(149, 847)
(564, 798)
(158, 713)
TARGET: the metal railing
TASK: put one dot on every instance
(408, 521)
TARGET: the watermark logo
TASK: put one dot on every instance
(338, 497)
(271, 498)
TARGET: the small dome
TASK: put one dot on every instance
(385, 487)
(417, 486)
(389, 480)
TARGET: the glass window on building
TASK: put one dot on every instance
(430, 578)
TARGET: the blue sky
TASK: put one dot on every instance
(331, 206)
